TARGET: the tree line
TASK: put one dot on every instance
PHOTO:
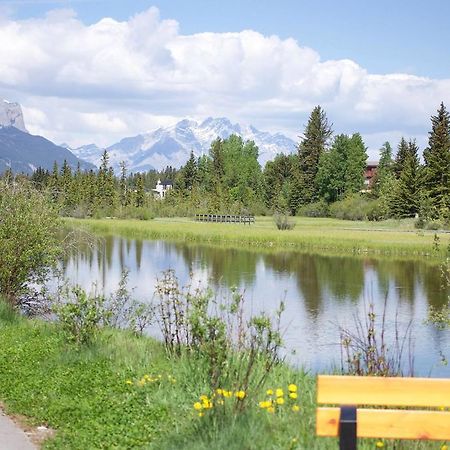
(325, 176)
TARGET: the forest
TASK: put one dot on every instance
(324, 177)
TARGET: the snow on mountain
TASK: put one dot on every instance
(171, 146)
(11, 115)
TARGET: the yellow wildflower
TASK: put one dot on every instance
(271, 409)
(269, 392)
(293, 395)
(227, 394)
(280, 400)
(279, 393)
(292, 388)
(129, 382)
(296, 408)
(219, 391)
(198, 406)
(203, 397)
(240, 394)
(379, 444)
(201, 414)
(266, 404)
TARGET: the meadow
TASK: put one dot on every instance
(390, 237)
(124, 391)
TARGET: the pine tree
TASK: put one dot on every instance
(385, 169)
(402, 152)
(123, 185)
(406, 199)
(437, 163)
(140, 191)
(316, 137)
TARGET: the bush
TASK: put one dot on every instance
(283, 221)
(28, 239)
(317, 209)
(357, 207)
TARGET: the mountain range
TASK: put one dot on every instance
(23, 152)
(171, 146)
(167, 146)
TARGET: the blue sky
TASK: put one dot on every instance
(383, 36)
(98, 70)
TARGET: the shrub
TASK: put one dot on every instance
(357, 207)
(28, 239)
(317, 209)
(283, 221)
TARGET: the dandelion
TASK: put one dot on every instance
(198, 406)
(201, 414)
(129, 382)
(203, 398)
(271, 409)
(219, 391)
(379, 444)
(240, 395)
(269, 392)
(227, 394)
(292, 388)
(296, 408)
(265, 404)
(279, 393)
(293, 395)
(280, 401)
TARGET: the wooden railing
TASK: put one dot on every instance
(224, 218)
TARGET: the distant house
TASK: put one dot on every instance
(161, 188)
(369, 174)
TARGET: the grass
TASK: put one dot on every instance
(91, 396)
(389, 237)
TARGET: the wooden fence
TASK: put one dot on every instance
(224, 218)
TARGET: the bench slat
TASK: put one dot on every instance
(352, 390)
(389, 424)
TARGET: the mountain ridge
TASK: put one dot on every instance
(171, 146)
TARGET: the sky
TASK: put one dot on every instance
(99, 70)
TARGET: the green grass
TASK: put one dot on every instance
(328, 235)
(83, 394)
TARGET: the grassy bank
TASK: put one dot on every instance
(332, 235)
(125, 392)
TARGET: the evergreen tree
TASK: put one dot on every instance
(123, 185)
(385, 169)
(140, 191)
(217, 155)
(316, 137)
(406, 199)
(402, 152)
(437, 163)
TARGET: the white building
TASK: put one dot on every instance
(161, 188)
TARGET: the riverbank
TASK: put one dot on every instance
(126, 392)
(390, 238)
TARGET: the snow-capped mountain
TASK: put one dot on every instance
(21, 151)
(11, 115)
(171, 146)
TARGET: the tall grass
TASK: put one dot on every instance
(310, 234)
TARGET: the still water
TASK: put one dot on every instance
(320, 292)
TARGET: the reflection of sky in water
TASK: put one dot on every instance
(320, 292)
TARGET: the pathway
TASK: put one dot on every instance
(12, 437)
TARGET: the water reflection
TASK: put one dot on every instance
(320, 291)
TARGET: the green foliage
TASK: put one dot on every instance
(314, 143)
(341, 170)
(317, 209)
(28, 238)
(357, 207)
(385, 171)
(437, 164)
(406, 197)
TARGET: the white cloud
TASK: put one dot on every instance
(100, 82)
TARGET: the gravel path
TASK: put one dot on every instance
(12, 437)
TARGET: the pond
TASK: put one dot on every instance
(321, 293)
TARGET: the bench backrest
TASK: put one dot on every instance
(430, 393)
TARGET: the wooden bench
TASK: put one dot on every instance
(427, 421)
